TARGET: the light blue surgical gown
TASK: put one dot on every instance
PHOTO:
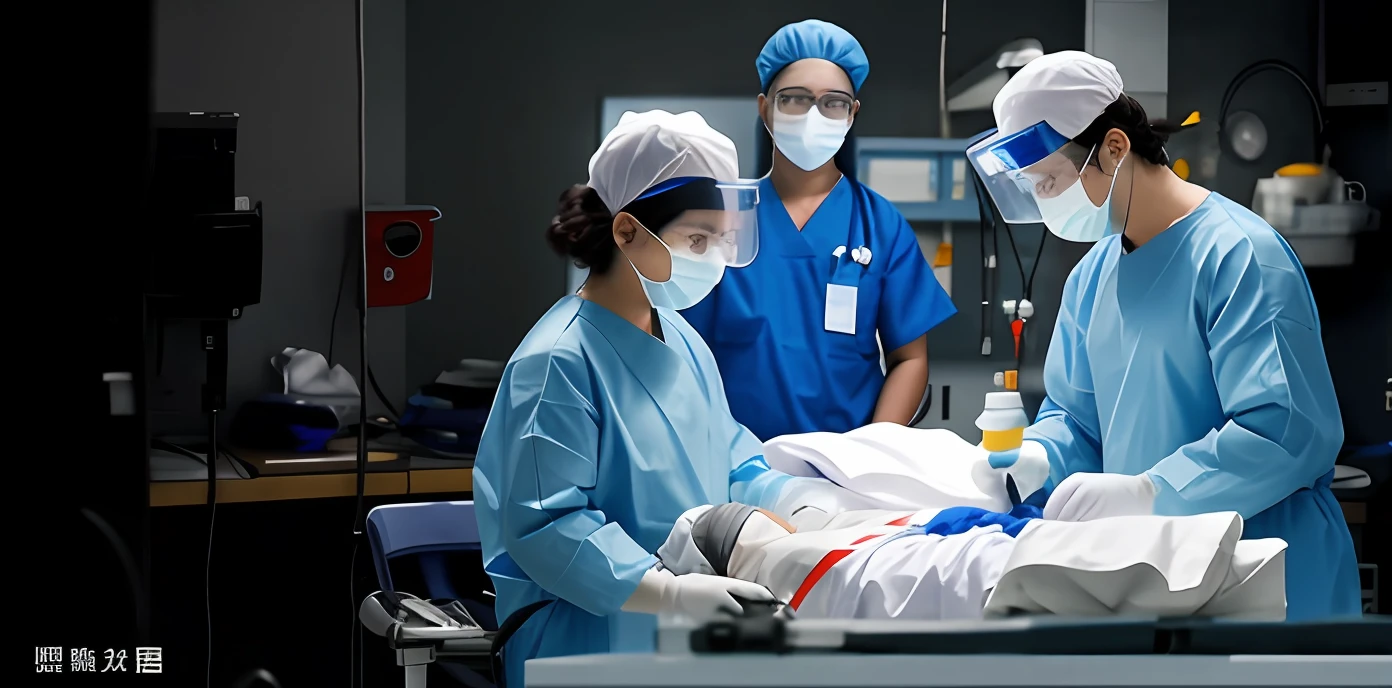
(600, 437)
(784, 371)
(1197, 359)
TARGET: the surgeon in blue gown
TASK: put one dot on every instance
(1186, 373)
(798, 334)
(610, 419)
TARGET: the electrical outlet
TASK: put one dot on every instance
(242, 203)
(1361, 93)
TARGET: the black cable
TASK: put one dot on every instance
(985, 274)
(237, 461)
(338, 300)
(176, 449)
(372, 379)
(359, 527)
(129, 568)
(212, 521)
(988, 220)
(1262, 66)
(1010, 234)
(1038, 258)
(362, 285)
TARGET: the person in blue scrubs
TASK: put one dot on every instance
(799, 334)
(610, 419)
(1186, 373)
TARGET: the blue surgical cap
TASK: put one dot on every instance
(812, 39)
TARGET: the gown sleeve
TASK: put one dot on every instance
(548, 525)
(1067, 424)
(912, 302)
(1283, 430)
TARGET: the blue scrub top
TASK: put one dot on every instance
(600, 437)
(1197, 360)
(784, 372)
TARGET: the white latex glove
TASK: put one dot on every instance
(1088, 496)
(1027, 468)
(696, 595)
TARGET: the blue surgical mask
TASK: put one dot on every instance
(693, 278)
(1071, 216)
(808, 140)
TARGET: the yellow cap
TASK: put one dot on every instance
(1191, 120)
(1011, 380)
(1300, 169)
(1181, 169)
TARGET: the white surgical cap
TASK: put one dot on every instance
(648, 148)
(1067, 90)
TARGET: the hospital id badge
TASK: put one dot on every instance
(841, 308)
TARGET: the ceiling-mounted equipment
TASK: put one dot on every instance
(978, 88)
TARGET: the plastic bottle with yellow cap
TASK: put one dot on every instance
(1002, 421)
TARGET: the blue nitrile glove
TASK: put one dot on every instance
(1019, 475)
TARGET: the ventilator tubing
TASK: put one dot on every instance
(1002, 440)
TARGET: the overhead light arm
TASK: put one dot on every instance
(978, 88)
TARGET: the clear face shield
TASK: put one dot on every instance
(1034, 176)
(703, 227)
(719, 223)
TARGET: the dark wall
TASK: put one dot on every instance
(289, 70)
(1356, 303)
(500, 122)
(503, 112)
(1206, 52)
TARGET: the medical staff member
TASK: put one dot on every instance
(798, 334)
(1186, 372)
(610, 419)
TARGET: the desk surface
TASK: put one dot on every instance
(327, 474)
(330, 474)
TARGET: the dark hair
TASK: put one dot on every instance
(582, 229)
(583, 226)
(1148, 137)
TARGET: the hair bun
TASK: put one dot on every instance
(580, 224)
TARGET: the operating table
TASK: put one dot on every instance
(765, 652)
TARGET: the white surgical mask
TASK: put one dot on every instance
(809, 140)
(1071, 216)
(693, 278)
(747, 556)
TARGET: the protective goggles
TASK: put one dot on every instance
(1026, 170)
(703, 219)
(797, 101)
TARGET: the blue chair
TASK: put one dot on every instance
(427, 533)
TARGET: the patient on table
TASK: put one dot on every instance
(966, 562)
(888, 522)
